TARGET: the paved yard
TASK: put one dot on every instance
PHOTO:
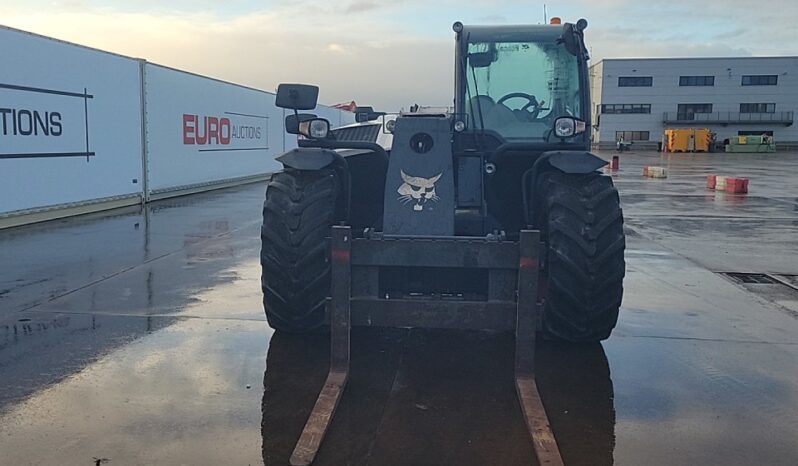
(138, 337)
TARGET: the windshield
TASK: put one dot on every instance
(518, 88)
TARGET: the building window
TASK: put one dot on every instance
(696, 80)
(760, 80)
(688, 111)
(635, 81)
(755, 133)
(757, 108)
(631, 135)
(626, 108)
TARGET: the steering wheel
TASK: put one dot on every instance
(533, 102)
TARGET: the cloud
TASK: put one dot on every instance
(263, 50)
(387, 54)
(730, 34)
(631, 44)
(363, 5)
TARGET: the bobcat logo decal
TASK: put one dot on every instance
(417, 190)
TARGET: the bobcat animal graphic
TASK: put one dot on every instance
(417, 190)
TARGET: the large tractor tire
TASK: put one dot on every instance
(298, 213)
(581, 224)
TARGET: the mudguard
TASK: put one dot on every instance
(363, 162)
(567, 161)
(573, 161)
(308, 158)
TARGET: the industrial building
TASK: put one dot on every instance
(636, 99)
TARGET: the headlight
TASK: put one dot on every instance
(564, 127)
(390, 125)
(459, 126)
(319, 128)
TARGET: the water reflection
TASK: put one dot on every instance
(70, 277)
(295, 370)
(182, 394)
(436, 397)
(41, 349)
(576, 387)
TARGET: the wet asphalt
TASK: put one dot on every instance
(138, 337)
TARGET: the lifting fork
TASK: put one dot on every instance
(537, 423)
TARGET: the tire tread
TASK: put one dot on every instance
(585, 266)
(297, 215)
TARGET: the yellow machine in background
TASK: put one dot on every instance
(688, 140)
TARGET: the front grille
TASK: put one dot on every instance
(366, 133)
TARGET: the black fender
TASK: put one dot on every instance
(308, 158)
(319, 153)
(574, 162)
(364, 162)
(316, 158)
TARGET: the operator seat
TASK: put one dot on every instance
(500, 116)
(494, 115)
(497, 116)
(480, 103)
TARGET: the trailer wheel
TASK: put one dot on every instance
(582, 227)
(298, 213)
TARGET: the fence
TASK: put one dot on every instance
(84, 130)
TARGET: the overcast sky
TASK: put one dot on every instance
(388, 54)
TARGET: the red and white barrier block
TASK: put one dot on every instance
(655, 172)
(729, 184)
(737, 185)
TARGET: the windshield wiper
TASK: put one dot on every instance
(479, 104)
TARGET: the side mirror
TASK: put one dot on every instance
(363, 114)
(297, 96)
(573, 38)
(568, 127)
(292, 122)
